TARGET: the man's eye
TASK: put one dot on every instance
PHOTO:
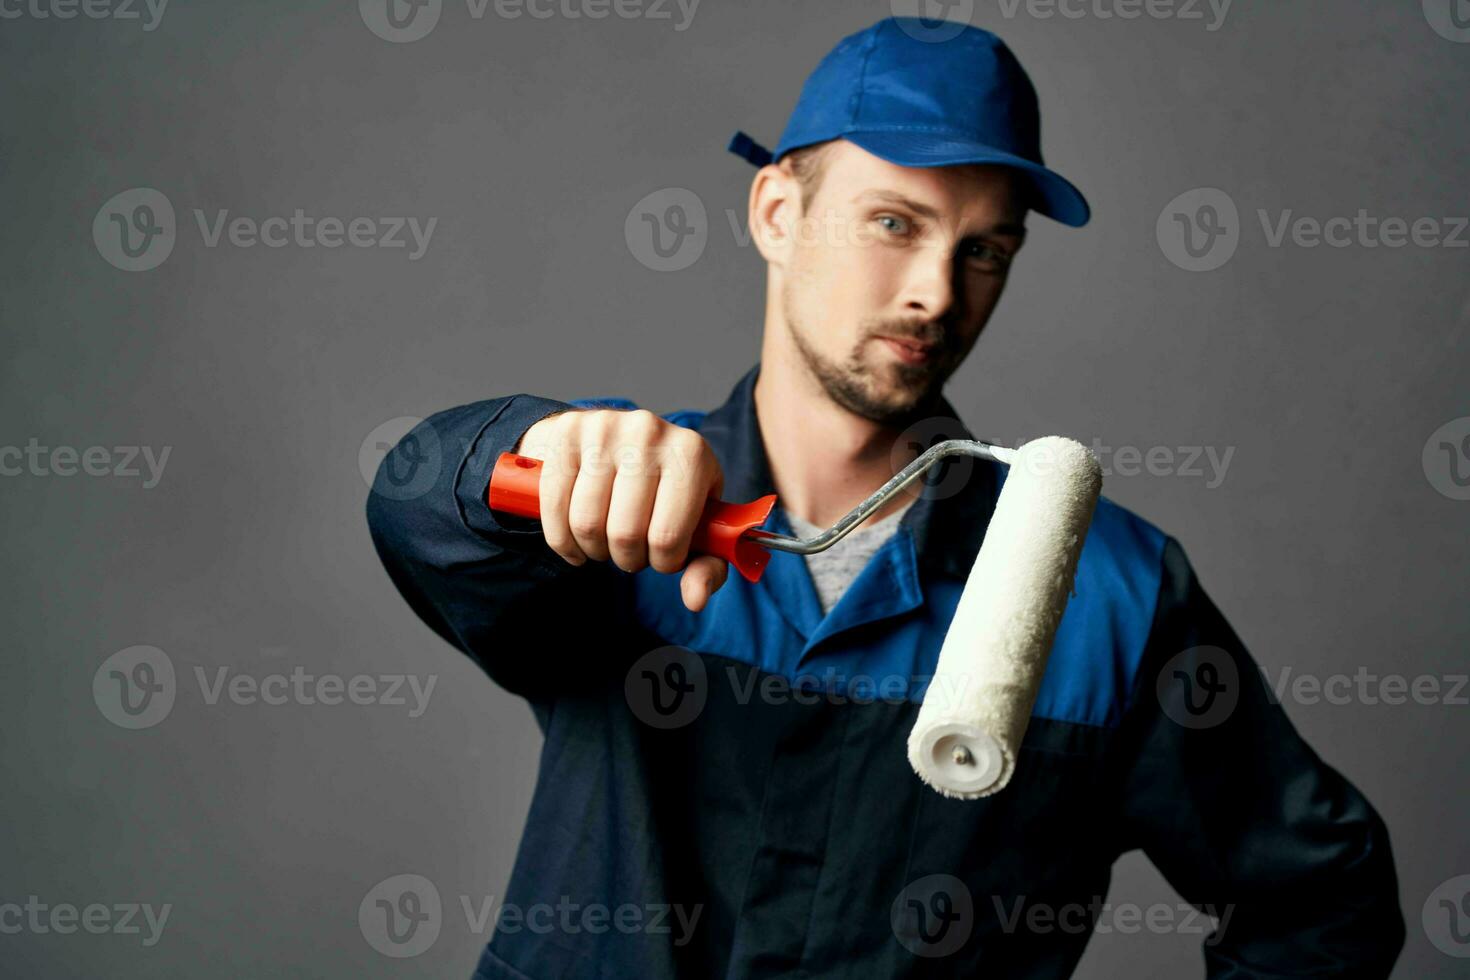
(894, 224)
(987, 255)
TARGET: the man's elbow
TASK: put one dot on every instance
(403, 498)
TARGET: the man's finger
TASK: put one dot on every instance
(702, 579)
(558, 478)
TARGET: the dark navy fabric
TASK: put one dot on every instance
(781, 815)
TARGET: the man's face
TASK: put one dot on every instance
(910, 254)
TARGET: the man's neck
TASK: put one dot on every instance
(824, 460)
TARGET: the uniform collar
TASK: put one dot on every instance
(948, 520)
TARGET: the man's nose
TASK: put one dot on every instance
(930, 287)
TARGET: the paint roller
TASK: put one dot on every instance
(976, 707)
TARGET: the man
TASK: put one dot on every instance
(724, 780)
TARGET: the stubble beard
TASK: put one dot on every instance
(887, 392)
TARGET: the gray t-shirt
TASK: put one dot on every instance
(834, 569)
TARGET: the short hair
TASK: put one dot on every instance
(808, 166)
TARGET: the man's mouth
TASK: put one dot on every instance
(911, 351)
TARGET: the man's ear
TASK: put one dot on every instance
(774, 209)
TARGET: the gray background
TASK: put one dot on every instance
(1326, 369)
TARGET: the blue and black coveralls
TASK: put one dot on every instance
(782, 806)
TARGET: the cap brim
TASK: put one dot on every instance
(1052, 194)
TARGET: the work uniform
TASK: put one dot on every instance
(740, 775)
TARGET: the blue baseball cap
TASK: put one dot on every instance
(921, 97)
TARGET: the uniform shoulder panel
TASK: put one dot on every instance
(1112, 608)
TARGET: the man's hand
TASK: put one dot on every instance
(629, 487)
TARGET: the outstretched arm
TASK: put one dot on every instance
(488, 583)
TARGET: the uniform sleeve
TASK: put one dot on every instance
(1241, 816)
(488, 583)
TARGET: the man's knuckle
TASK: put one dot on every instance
(585, 526)
(686, 448)
(667, 542)
(623, 539)
(643, 422)
(662, 563)
(686, 439)
(589, 427)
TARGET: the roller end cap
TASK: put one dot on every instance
(960, 760)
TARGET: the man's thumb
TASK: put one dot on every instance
(703, 577)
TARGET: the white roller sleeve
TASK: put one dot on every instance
(966, 738)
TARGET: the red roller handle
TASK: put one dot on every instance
(515, 488)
